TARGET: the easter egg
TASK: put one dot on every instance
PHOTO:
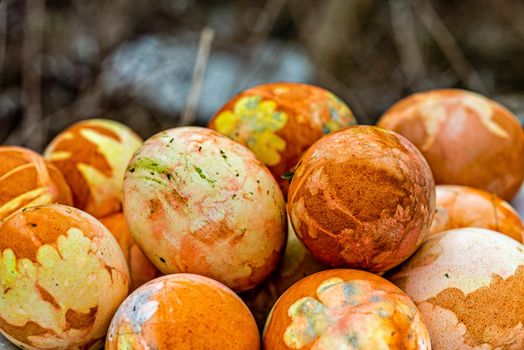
(141, 270)
(461, 206)
(93, 156)
(279, 121)
(62, 277)
(362, 197)
(345, 309)
(469, 287)
(198, 202)
(466, 138)
(26, 180)
(183, 312)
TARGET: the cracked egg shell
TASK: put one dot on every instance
(198, 202)
(141, 269)
(466, 138)
(183, 312)
(345, 309)
(461, 206)
(469, 286)
(26, 180)
(62, 277)
(280, 121)
(93, 155)
(362, 197)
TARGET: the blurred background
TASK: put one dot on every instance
(159, 64)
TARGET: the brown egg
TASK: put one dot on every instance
(469, 287)
(141, 269)
(62, 277)
(26, 180)
(93, 156)
(183, 312)
(466, 138)
(279, 121)
(460, 206)
(362, 197)
(345, 309)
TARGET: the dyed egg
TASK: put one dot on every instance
(345, 309)
(26, 180)
(466, 138)
(62, 277)
(279, 121)
(141, 269)
(362, 197)
(183, 311)
(460, 206)
(93, 156)
(469, 287)
(198, 202)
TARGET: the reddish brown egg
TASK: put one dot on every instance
(362, 197)
(183, 312)
(26, 180)
(460, 206)
(141, 269)
(466, 138)
(345, 309)
(279, 121)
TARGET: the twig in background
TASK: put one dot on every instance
(511, 14)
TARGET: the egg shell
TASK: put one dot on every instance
(26, 179)
(466, 138)
(183, 311)
(280, 121)
(141, 269)
(345, 309)
(93, 155)
(461, 206)
(362, 197)
(198, 202)
(469, 286)
(62, 277)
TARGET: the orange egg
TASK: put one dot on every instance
(279, 121)
(466, 138)
(183, 312)
(345, 309)
(93, 156)
(62, 277)
(362, 197)
(460, 206)
(26, 179)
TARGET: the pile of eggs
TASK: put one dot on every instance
(283, 225)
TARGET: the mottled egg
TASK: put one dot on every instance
(362, 197)
(279, 121)
(26, 180)
(461, 206)
(141, 269)
(466, 138)
(469, 286)
(183, 312)
(345, 309)
(198, 202)
(93, 156)
(62, 277)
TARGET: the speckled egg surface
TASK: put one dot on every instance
(279, 121)
(345, 309)
(183, 312)
(469, 286)
(93, 156)
(62, 276)
(362, 197)
(466, 138)
(26, 179)
(198, 202)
